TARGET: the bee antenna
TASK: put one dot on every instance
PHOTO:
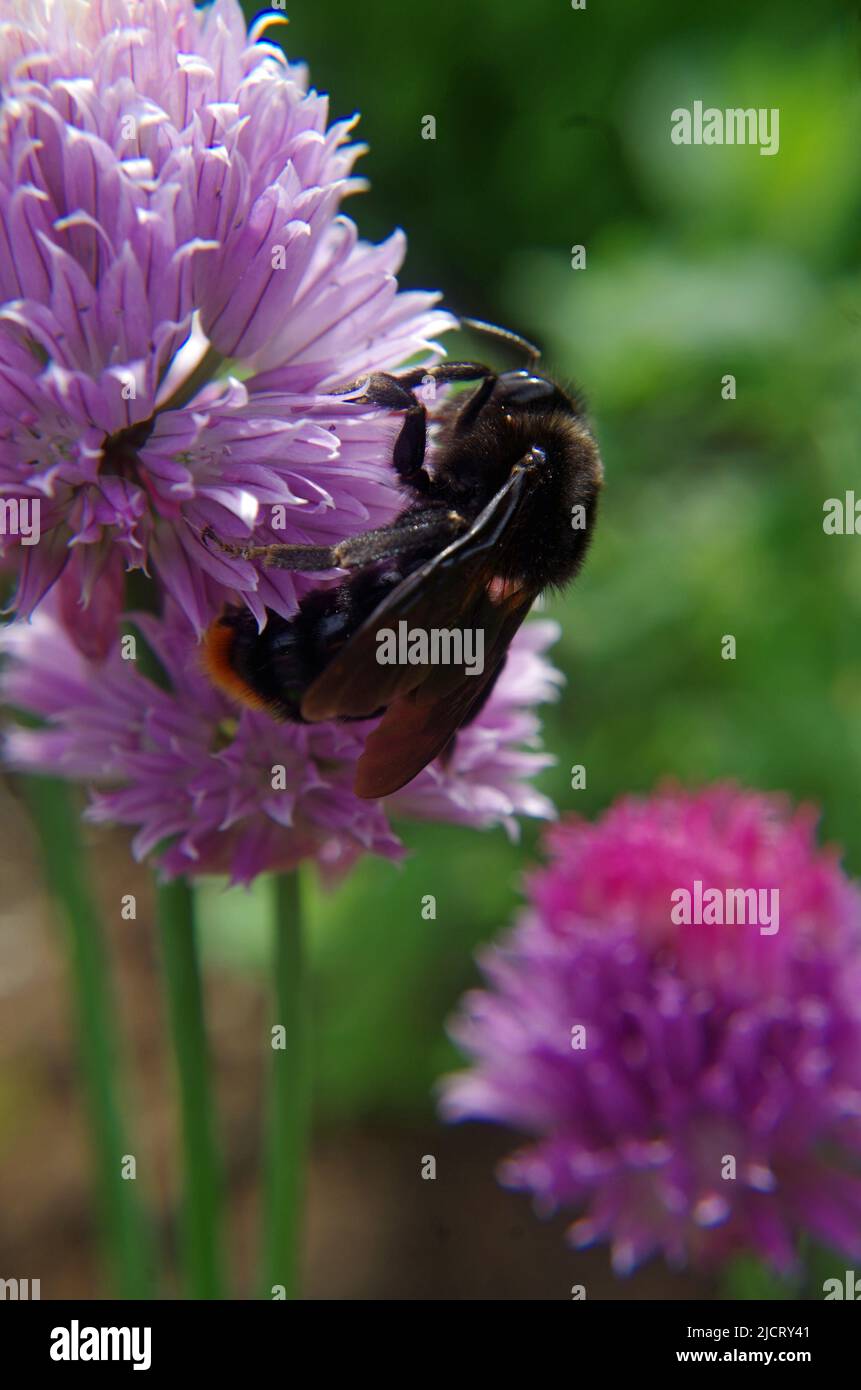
(506, 334)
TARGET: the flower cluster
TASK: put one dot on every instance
(223, 791)
(693, 1090)
(180, 300)
(179, 294)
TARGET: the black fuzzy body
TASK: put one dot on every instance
(517, 421)
(281, 662)
(540, 547)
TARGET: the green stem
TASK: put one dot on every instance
(201, 1228)
(289, 1101)
(747, 1277)
(124, 1235)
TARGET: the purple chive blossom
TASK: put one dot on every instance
(701, 1044)
(178, 291)
(188, 768)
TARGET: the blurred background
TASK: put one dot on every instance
(552, 131)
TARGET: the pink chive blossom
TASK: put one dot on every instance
(179, 292)
(712, 1102)
(216, 789)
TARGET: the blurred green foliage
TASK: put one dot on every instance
(553, 130)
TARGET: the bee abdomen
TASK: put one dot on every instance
(265, 670)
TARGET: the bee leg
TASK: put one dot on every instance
(479, 398)
(419, 533)
(408, 454)
(285, 557)
(444, 373)
(401, 538)
(396, 393)
(447, 372)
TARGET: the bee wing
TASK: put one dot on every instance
(418, 726)
(448, 591)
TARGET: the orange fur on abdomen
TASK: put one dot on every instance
(216, 658)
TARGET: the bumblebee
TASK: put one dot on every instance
(506, 510)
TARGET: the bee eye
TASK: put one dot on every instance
(522, 388)
(537, 454)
